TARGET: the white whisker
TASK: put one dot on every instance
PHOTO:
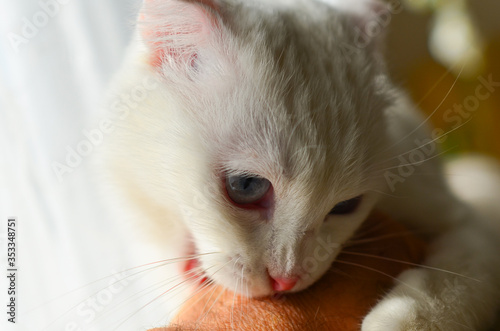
(142, 293)
(204, 315)
(417, 163)
(162, 262)
(409, 263)
(355, 242)
(379, 272)
(428, 117)
(152, 300)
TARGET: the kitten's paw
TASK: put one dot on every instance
(406, 308)
(397, 314)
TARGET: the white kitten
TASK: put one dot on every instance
(264, 137)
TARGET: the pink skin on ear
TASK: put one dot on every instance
(176, 29)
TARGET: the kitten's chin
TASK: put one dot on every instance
(266, 292)
(258, 289)
(261, 287)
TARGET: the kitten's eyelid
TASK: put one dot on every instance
(240, 173)
(346, 207)
(351, 197)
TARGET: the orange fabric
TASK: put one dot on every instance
(337, 302)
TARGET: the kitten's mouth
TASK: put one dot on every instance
(192, 269)
(191, 265)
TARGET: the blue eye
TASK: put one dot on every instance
(245, 189)
(346, 207)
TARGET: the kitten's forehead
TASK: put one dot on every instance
(304, 105)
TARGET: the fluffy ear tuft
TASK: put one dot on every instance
(176, 30)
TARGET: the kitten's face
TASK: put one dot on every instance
(285, 133)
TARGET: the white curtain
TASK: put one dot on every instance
(56, 59)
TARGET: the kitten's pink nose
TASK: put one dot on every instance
(283, 284)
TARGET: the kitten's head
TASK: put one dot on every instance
(267, 133)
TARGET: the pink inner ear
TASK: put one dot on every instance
(176, 29)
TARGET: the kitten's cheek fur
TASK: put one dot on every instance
(237, 277)
(317, 267)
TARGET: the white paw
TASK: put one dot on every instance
(394, 314)
(406, 308)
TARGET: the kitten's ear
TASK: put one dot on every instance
(370, 18)
(176, 31)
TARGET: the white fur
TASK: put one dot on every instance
(274, 93)
(358, 7)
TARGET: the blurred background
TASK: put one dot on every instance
(58, 56)
(437, 49)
